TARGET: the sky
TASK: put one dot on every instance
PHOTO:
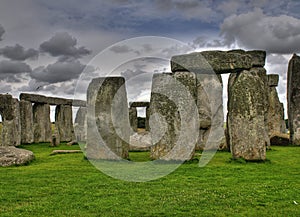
(45, 46)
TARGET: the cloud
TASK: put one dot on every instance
(256, 30)
(2, 31)
(121, 49)
(63, 44)
(58, 71)
(18, 52)
(11, 70)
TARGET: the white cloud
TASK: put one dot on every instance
(256, 30)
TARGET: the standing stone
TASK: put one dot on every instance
(80, 124)
(41, 123)
(275, 111)
(26, 119)
(246, 114)
(64, 122)
(11, 128)
(293, 98)
(108, 125)
(210, 108)
(147, 127)
(133, 118)
(173, 116)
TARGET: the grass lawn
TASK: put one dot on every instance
(68, 185)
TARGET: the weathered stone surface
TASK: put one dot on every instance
(273, 80)
(133, 118)
(140, 142)
(220, 61)
(275, 111)
(172, 109)
(36, 98)
(10, 155)
(139, 104)
(108, 131)
(26, 119)
(280, 139)
(293, 98)
(11, 128)
(64, 122)
(246, 118)
(147, 127)
(80, 125)
(41, 123)
(55, 138)
(210, 109)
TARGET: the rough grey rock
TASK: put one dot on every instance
(11, 128)
(26, 119)
(133, 118)
(220, 61)
(36, 98)
(108, 130)
(140, 142)
(64, 122)
(210, 110)
(80, 124)
(273, 80)
(41, 123)
(246, 120)
(293, 98)
(139, 104)
(275, 111)
(172, 105)
(280, 139)
(10, 155)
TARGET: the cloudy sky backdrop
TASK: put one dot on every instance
(45, 45)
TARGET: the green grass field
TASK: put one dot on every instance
(68, 185)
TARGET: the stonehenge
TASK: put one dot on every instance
(293, 99)
(185, 112)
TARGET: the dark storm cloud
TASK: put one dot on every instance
(256, 30)
(18, 52)
(63, 44)
(2, 31)
(58, 71)
(10, 71)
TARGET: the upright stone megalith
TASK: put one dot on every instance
(41, 123)
(173, 116)
(26, 119)
(133, 118)
(64, 122)
(108, 128)
(80, 125)
(11, 128)
(293, 98)
(275, 111)
(246, 120)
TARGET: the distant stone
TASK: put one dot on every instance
(64, 122)
(280, 139)
(73, 142)
(293, 98)
(26, 119)
(275, 109)
(246, 120)
(218, 61)
(133, 118)
(41, 123)
(273, 80)
(139, 104)
(10, 156)
(140, 142)
(80, 125)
